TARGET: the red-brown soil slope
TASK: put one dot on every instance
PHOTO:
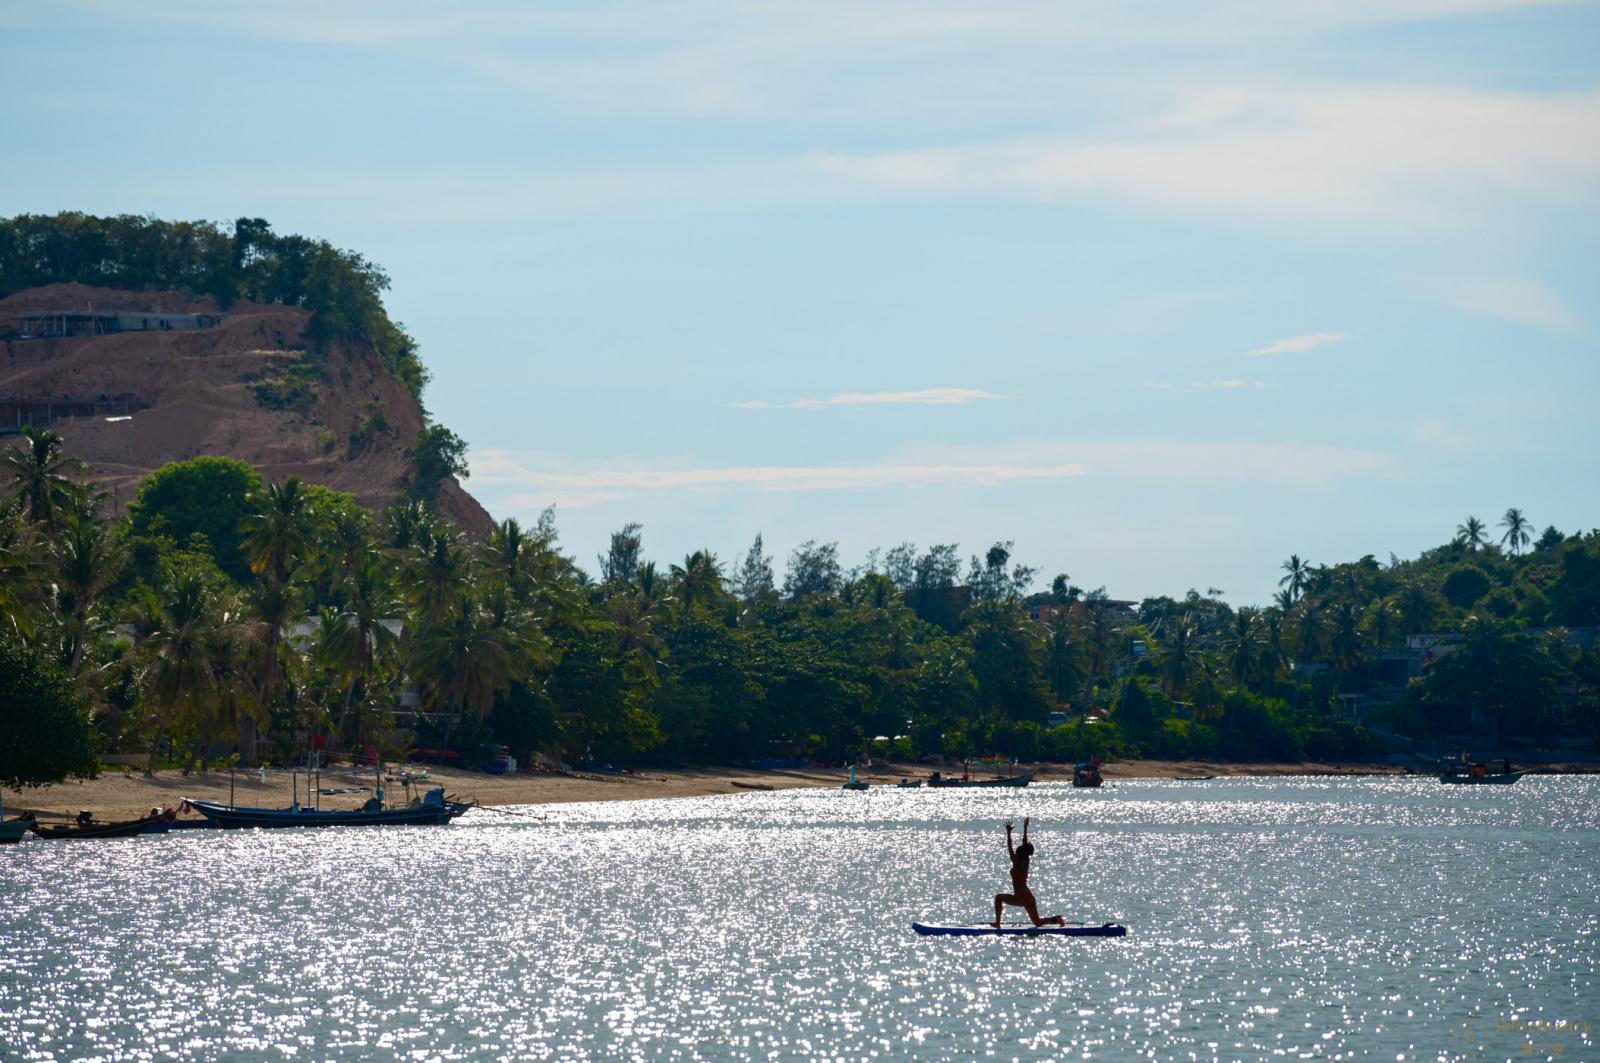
(195, 392)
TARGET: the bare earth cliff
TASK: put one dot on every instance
(248, 387)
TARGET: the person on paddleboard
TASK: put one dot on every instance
(1021, 896)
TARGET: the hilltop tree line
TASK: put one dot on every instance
(342, 289)
(220, 610)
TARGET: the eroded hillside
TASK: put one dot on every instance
(249, 385)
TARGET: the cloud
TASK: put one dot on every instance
(522, 481)
(1516, 299)
(927, 397)
(1400, 155)
(1232, 384)
(1296, 344)
(539, 483)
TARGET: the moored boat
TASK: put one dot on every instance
(1466, 778)
(939, 781)
(434, 809)
(86, 826)
(854, 783)
(12, 830)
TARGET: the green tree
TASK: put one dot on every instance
(206, 495)
(436, 454)
(44, 723)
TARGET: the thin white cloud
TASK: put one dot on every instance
(926, 397)
(1516, 299)
(535, 481)
(1297, 344)
(1231, 384)
(1401, 155)
(505, 479)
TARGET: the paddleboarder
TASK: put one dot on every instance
(1021, 896)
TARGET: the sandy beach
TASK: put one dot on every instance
(122, 794)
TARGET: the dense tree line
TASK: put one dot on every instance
(220, 606)
(342, 289)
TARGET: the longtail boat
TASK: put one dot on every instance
(1464, 777)
(87, 827)
(12, 830)
(939, 781)
(434, 809)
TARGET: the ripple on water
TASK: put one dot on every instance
(1311, 918)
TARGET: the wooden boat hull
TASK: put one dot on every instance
(123, 829)
(1501, 779)
(1089, 782)
(231, 817)
(854, 786)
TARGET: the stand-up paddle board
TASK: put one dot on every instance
(974, 930)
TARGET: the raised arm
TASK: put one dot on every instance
(1024, 828)
(1010, 848)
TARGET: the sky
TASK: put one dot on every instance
(1161, 292)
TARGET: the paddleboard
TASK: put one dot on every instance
(974, 930)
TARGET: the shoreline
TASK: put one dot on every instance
(121, 795)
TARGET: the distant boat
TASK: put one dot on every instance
(434, 809)
(1466, 778)
(909, 784)
(12, 830)
(854, 783)
(86, 827)
(1086, 775)
(939, 781)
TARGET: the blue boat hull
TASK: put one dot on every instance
(1107, 930)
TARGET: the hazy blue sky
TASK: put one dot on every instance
(1161, 291)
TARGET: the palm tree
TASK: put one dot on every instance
(1471, 534)
(1180, 658)
(1299, 574)
(1517, 535)
(1242, 646)
(699, 579)
(634, 642)
(179, 680)
(277, 530)
(1273, 655)
(463, 658)
(88, 561)
(1417, 605)
(38, 474)
(1382, 620)
(1065, 663)
(360, 646)
(434, 576)
(510, 554)
(1346, 644)
(20, 585)
(1308, 632)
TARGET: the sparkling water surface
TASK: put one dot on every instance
(1380, 918)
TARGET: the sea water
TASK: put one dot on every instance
(1376, 918)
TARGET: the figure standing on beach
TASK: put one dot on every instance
(1021, 896)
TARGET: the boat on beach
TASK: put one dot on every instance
(86, 826)
(853, 783)
(12, 830)
(432, 810)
